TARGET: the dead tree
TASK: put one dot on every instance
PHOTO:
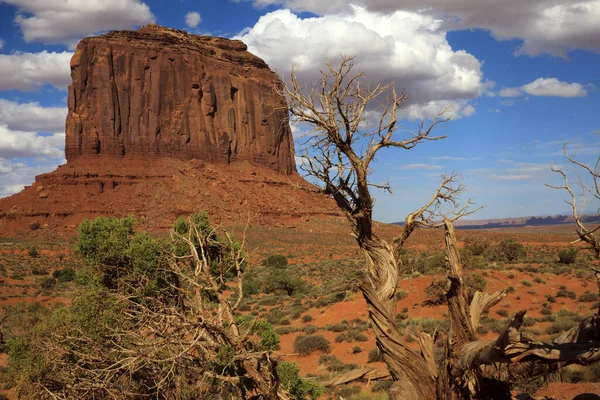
(588, 187)
(338, 154)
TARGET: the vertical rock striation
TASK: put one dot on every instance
(164, 92)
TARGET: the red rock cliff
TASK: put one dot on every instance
(159, 91)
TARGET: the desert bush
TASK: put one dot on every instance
(283, 281)
(374, 355)
(507, 250)
(475, 282)
(39, 270)
(577, 373)
(550, 298)
(276, 261)
(567, 256)
(561, 270)
(47, 282)
(66, 274)
(305, 345)
(306, 318)
(356, 350)
(382, 386)
(33, 252)
(339, 327)
(491, 324)
(250, 285)
(298, 388)
(526, 283)
(350, 336)
(565, 320)
(587, 298)
(546, 310)
(503, 312)
(476, 245)
(566, 293)
(435, 292)
(428, 325)
(309, 329)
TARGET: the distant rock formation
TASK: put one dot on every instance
(164, 92)
(162, 123)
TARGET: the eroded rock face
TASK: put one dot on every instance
(159, 91)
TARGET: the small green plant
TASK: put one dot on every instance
(503, 312)
(305, 345)
(567, 256)
(34, 252)
(277, 261)
(306, 318)
(374, 355)
(64, 275)
(587, 298)
(298, 388)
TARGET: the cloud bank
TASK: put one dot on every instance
(545, 26)
(406, 47)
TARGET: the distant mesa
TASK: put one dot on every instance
(163, 123)
(164, 92)
(518, 222)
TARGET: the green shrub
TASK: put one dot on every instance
(526, 283)
(382, 386)
(47, 282)
(566, 293)
(507, 250)
(476, 245)
(306, 318)
(276, 261)
(374, 355)
(283, 281)
(546, 310)
(298, 388)
(587, 298)
(39, 270)
(34, 252)
(23, 363)
(66, 274)
(350, 336)
(305, 345)
(567, 256)
(503, 312)
(475, 282)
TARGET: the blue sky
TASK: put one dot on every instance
(521, 78)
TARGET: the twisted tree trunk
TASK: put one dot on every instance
(414, 376)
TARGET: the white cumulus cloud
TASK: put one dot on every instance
(61, 21)
(554, 87)
(32, 117)
(31, 71)
(406, 47)
(545, 26)
(19, 144)
(192, 19)
(546, 87)
(15, 175)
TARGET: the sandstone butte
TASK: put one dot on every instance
(163, 123)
